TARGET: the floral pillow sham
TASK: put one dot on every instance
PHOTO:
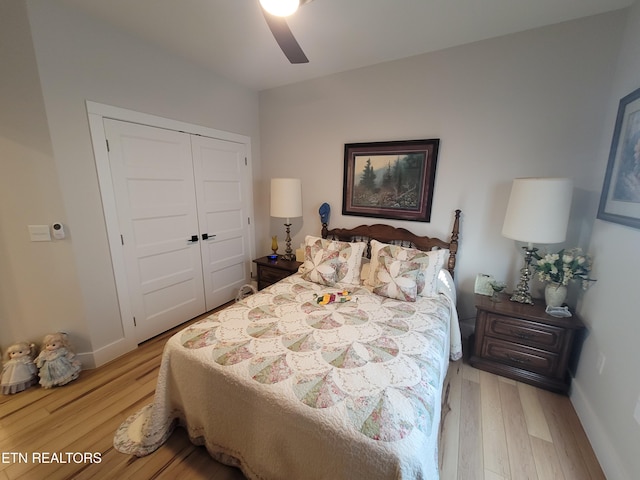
(427, 265)
(331, 262)
(397, 279)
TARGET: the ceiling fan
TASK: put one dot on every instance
(274, 12)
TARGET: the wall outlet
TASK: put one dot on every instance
(600, 363)
(636, 412)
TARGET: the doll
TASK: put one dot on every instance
(19, 372)
(57, 363)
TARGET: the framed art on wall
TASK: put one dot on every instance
(391, 180)
(620, 197)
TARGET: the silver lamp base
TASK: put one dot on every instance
(288, 252)
(521, 293)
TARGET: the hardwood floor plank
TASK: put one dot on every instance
(521, 462)
(470, 373)
(506, 380)
(489, 475)
(589, 457)
(547, 463)
(533, 414)
(556, 409)
(494, 440)
(470, 464)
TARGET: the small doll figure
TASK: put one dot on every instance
(57, 363)
(19, 372)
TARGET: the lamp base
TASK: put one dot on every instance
(288, 252)
(522, 297)
(521, 293)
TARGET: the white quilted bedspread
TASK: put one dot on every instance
(286, 388)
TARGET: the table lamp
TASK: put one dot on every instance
(286, 202)
(538, 212)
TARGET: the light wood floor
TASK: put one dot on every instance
(493, 428)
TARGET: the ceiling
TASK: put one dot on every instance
(231, 37)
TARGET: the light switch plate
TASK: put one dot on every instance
(636, 412)
(39, 233)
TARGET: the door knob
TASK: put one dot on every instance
(193, 239)
(206, 236)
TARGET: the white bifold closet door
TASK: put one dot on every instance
(181, 201)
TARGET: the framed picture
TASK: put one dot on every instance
(620, 198)
(391, 180)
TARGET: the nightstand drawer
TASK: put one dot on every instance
(529, 333)
(531, 359)
(272, 275)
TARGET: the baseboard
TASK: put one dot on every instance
(105, 354)
(602, 447)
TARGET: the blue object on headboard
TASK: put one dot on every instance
(324, 212)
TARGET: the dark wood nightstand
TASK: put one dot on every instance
(522, 342)
(272, 271)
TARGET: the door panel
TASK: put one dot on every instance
(152, 174)
(222, 182)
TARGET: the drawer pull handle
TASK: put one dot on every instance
(517, 359)
(521, 336)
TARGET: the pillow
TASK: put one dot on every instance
(397, 279)
(429, 264)
(364, 271)
(437, 261)
(329, 262)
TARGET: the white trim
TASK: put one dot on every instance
(605, 452)
(105, 354)
(117, 113)
(97, 112)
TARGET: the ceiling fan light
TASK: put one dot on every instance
(280, 8)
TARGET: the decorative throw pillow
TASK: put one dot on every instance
(329, 262)
(396, 279)
(321, 266)
(428, 264)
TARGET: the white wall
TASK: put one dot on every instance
(528, 104)
(606, 402)
(81, 59)
(37, 280)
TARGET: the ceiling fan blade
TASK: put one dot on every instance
(284, 37)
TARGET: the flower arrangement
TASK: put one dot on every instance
(564, 266)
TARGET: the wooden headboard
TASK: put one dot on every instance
(398, 236)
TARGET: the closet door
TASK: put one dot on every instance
(222, 183)
(152, 174)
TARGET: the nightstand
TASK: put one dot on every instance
(522, 342)
(272, 271)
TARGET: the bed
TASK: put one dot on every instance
(335, 372)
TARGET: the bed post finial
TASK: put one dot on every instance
(325, 230)
(453, 245)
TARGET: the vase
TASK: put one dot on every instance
(274, 244)
(555, 294)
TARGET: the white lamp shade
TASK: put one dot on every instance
(280, 8)
(538, 210)
(286, 197)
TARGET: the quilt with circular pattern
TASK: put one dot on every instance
(283, 386)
